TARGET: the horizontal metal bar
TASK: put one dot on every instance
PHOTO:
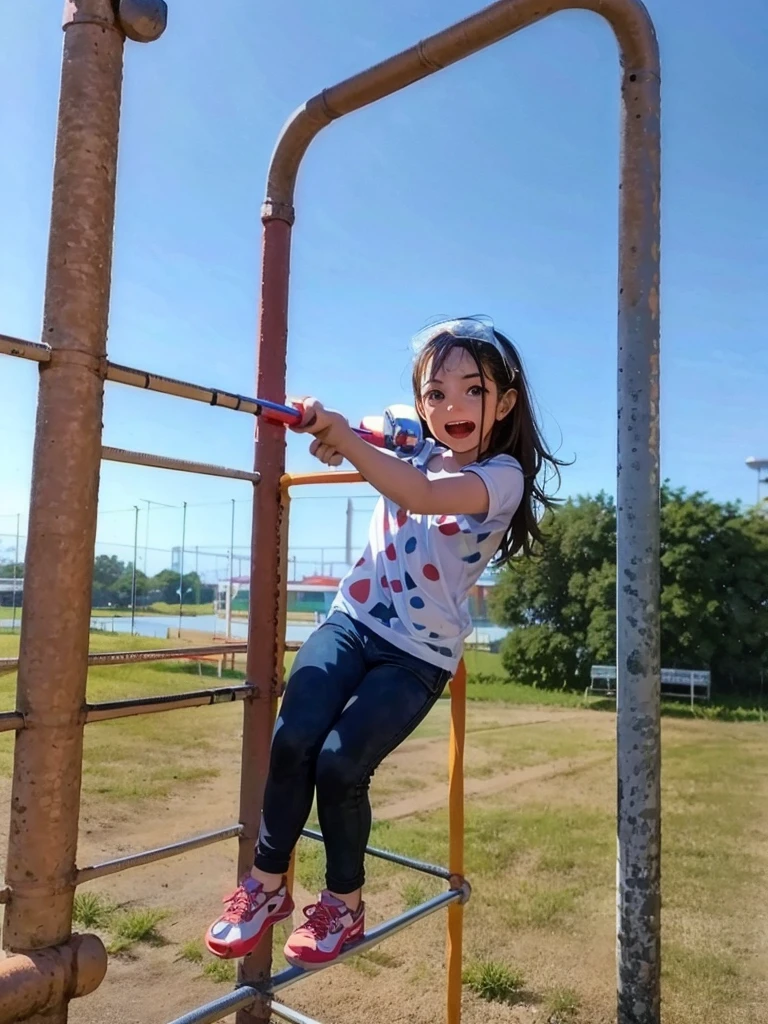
(160, 654)
(395, 858)
(182, 389)
(136, 860)
(372, 938)
(246, 995)
(336, 476)
(182, 465)
(108, 710)
(34, 350)
(165, 654)
(291, 1015)
(10, 721)
(218, 1009)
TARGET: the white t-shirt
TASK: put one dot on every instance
(412, 582)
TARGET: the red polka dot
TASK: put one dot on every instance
(431, 572)
(402, 517)
(359, 590)
(384, 582)
(391, 553)
(359, 563)
(449, 529)
(397, 586)
(442, 519)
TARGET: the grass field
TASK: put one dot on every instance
(540, 852)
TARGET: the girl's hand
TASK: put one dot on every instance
(329, 428)
(326, 453)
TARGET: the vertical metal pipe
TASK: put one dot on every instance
(348, 538)
(230, 568)
(146, 537)
(181, 562)
(638, 661)
(453, 953)
(45, 802)
(264, 642)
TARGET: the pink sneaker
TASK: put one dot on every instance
(250, 912)
(330, 928)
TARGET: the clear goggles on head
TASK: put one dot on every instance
(471, 328)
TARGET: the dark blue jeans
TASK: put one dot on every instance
(352, 697)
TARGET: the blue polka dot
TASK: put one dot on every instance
(432, 647)
(417, 602)
(434, 636)
(473, 557)
(482, 536)
(417, 625)
(410, 545)
(445, 651)
(410, 585)
(384, 613)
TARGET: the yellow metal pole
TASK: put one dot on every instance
(344, 476)
(285, 502)
(456, 840)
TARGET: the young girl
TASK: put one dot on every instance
(372, 671)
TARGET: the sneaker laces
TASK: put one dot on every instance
(320, 919)
(237, 903)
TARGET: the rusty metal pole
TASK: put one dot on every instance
(45, 801)
(265, 645)
(53, 656)
(637, 505)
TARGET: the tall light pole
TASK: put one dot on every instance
(149, 504)
(181, 563)
(133, 573)
(761, 468)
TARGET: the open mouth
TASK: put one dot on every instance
(459, 428)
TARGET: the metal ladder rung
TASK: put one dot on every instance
(182, 465)
(34, 350)
(160, 654)
(135, 860)
(292, 1016)
(181, 389)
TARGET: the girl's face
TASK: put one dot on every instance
(451, 402)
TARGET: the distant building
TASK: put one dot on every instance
(7, 587)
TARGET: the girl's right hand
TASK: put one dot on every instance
(329, 429)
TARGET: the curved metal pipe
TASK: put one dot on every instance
(629, 20)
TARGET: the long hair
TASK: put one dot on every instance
(518, 434)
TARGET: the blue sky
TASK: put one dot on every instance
(491, 187)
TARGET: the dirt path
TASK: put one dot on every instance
(153, 987)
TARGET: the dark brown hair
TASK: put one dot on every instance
(518, 434)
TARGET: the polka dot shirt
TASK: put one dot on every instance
(412, 582)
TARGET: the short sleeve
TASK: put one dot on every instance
(504, 481)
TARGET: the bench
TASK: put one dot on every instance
(675, 682)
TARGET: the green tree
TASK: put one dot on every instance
(122, 588)
(165, 587)
(107, 570)
(7, 570)
(714, 600)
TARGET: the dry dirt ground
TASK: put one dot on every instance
(405, 983)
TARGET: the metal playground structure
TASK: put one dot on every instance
(47, 965)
